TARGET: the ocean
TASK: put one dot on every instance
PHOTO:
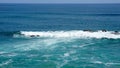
(59, 35)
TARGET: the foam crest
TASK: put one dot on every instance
(70, 34)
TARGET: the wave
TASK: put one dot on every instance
(69, 34)
(9, 33)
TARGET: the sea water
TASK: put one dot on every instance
(59, 36)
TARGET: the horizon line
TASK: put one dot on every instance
(59, 3)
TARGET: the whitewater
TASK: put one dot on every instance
(70, 34)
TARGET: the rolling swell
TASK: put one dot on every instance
(11, 33)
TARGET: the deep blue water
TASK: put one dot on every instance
(59, 17)
(60, 44)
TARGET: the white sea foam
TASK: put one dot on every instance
(97, 62)
(112, 63)
(69, 34)
(6, 62)
(2, 53)
(105, 63)
(37, 44)
(66, 54)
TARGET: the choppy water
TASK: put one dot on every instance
(52, 36)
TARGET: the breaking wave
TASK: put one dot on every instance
(70, 34)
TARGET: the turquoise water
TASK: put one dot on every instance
(52, 36)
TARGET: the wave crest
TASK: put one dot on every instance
(69, 34)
